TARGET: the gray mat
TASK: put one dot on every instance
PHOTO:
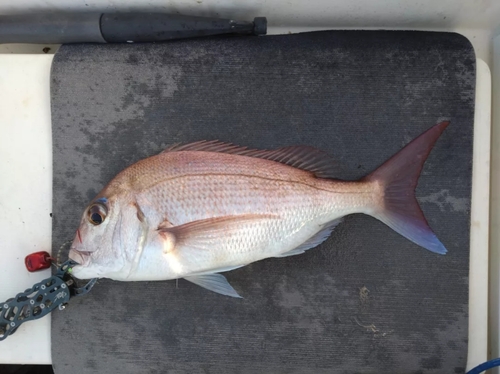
(365, 301)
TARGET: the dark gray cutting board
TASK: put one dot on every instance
(367, 300)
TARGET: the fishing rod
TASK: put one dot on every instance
(131, 27)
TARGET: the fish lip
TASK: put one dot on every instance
(80, 257)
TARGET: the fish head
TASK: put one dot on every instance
(107, 239)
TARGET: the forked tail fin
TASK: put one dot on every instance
(397, 178)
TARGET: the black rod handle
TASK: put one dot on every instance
(59, 28)
(157, 27)
(53, 28)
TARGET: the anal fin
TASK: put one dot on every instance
(313, 241)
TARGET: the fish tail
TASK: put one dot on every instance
(396, 180)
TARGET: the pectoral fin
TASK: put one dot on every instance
(209, 242)
(214, 282)
(207, 233)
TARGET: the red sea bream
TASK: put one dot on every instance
(197, 210)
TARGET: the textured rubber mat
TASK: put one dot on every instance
(365, 301)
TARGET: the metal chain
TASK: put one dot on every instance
(41, 299)
(60, 251)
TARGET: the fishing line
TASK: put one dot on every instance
(485, 366)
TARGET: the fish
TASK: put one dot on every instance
(197, 210)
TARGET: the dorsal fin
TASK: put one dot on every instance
(206, 146)
(300, 157)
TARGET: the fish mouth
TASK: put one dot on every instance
(80, 257)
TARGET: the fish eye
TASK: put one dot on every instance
(97, 213)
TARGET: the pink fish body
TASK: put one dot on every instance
(197, 210)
